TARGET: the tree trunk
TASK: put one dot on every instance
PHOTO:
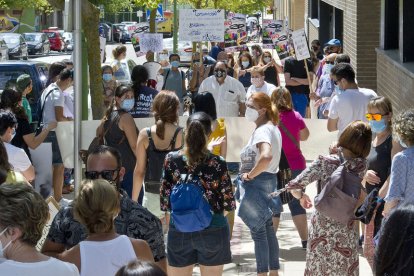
(91, 20)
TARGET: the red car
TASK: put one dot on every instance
(55, 38)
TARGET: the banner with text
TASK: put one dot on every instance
(235, 32)
(300, 44)
(135, 37)
(201, 25)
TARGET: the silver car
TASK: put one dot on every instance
(17, 45)
(4, 50)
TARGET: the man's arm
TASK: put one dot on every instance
(289, 81)
(52, 249)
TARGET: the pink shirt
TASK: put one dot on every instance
(294, 122)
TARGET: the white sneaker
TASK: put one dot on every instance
(64, 202)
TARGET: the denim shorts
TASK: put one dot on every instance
(56, 157)
(209, 247)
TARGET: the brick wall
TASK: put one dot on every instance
(394, 80)
(297, 14)
(313, 32)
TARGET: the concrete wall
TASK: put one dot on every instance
(395, 79)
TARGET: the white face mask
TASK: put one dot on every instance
(251, 114)
(2, 249)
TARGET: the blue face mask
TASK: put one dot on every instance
(338, 90)
(245, 64)
(127, 104)
(378, 126)
(175, 63)
(107, 77)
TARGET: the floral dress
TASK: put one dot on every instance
(332, 247)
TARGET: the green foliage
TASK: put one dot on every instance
(41, 5)
(239, 6)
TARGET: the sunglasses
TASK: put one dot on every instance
(106, 174)
(375, 117)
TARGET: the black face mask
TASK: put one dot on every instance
(220, 73)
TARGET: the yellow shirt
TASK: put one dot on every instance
(220, 131)
(15, 177)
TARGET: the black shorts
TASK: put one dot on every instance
(209, 247)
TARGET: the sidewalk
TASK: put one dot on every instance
(292, 256)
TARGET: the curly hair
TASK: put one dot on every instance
(96, 205)
(23, 208)
(403, 126)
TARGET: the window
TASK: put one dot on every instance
(407, 23)
(314, 9)
(389, 24)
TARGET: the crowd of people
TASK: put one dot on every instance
(165, 179)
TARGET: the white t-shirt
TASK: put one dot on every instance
(17, 158)
(349, 106)
(228, 96)
(267, 88)
(267, 133)
(69, 96)
(56, 98)
(50, 267)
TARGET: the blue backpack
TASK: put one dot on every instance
(190, 209)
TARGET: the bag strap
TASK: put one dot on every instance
(165, 79)
(43, 105)
(174, 138)
(287, 132)
(110, 127)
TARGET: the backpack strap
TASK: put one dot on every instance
(43, 106)
(165, 79)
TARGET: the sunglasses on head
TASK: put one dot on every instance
(106, 174)
(375, 117)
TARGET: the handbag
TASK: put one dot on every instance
(339, 197)
(284, 175)
(365, 212)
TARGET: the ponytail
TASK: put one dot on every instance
(263, 101)
(198, 124)
(160, 128)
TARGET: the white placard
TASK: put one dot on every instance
(301, 45)
(53, 210)
(201, 25)
(150, 42)
(42, 161)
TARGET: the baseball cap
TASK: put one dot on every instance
(333, 42)
(22, 82)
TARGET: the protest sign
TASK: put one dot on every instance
(201, 25)
(150, 42)
(300, 44)
(271, 28)
(235, 31)
(53, 210)
(135, 40)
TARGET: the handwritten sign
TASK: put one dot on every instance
(53, 210)
(135, 37)
(202, 25)
(300, 44)
(151, 42)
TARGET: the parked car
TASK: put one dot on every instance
(68, 39)
(38, 71)
(4, 50)
(17, 45)
(55, 38)
(106, 28)
(120, 33)
(37, 43)
(127, 65)
(185, 49)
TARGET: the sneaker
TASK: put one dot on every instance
(64, 202)
(304, 244)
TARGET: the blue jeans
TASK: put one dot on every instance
(266, 248)
(300, 102)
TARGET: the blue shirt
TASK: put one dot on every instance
(143, 102)
(402, 177)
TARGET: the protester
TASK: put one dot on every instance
(119, 54)
(207, 59)
(198, 73)
(24, 85)
(140, 268)
(257, 53)
(228, 92)
(271, 68)
(325, 87)
(258, 83)
(327, 234)
(395, 253)
(333, 46)
(316, 49)
(23, 214)
(104, 251)
(401, 190)
(52, 103)
(7, 174)
(216, 49)
(245, 62)
(350, 102)
(109, 84)
(297, 83)
(144, 95)
(118, 129)
(133, 220)
(152, 146)
(17, 157)
(379, 165)
(209, 247)
(174, 79)
(223, 57)
(293, 130)
(259, 165)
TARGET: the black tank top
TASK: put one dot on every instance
(155, 161)
(270, 75)
(379, 160)
(115, 137)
